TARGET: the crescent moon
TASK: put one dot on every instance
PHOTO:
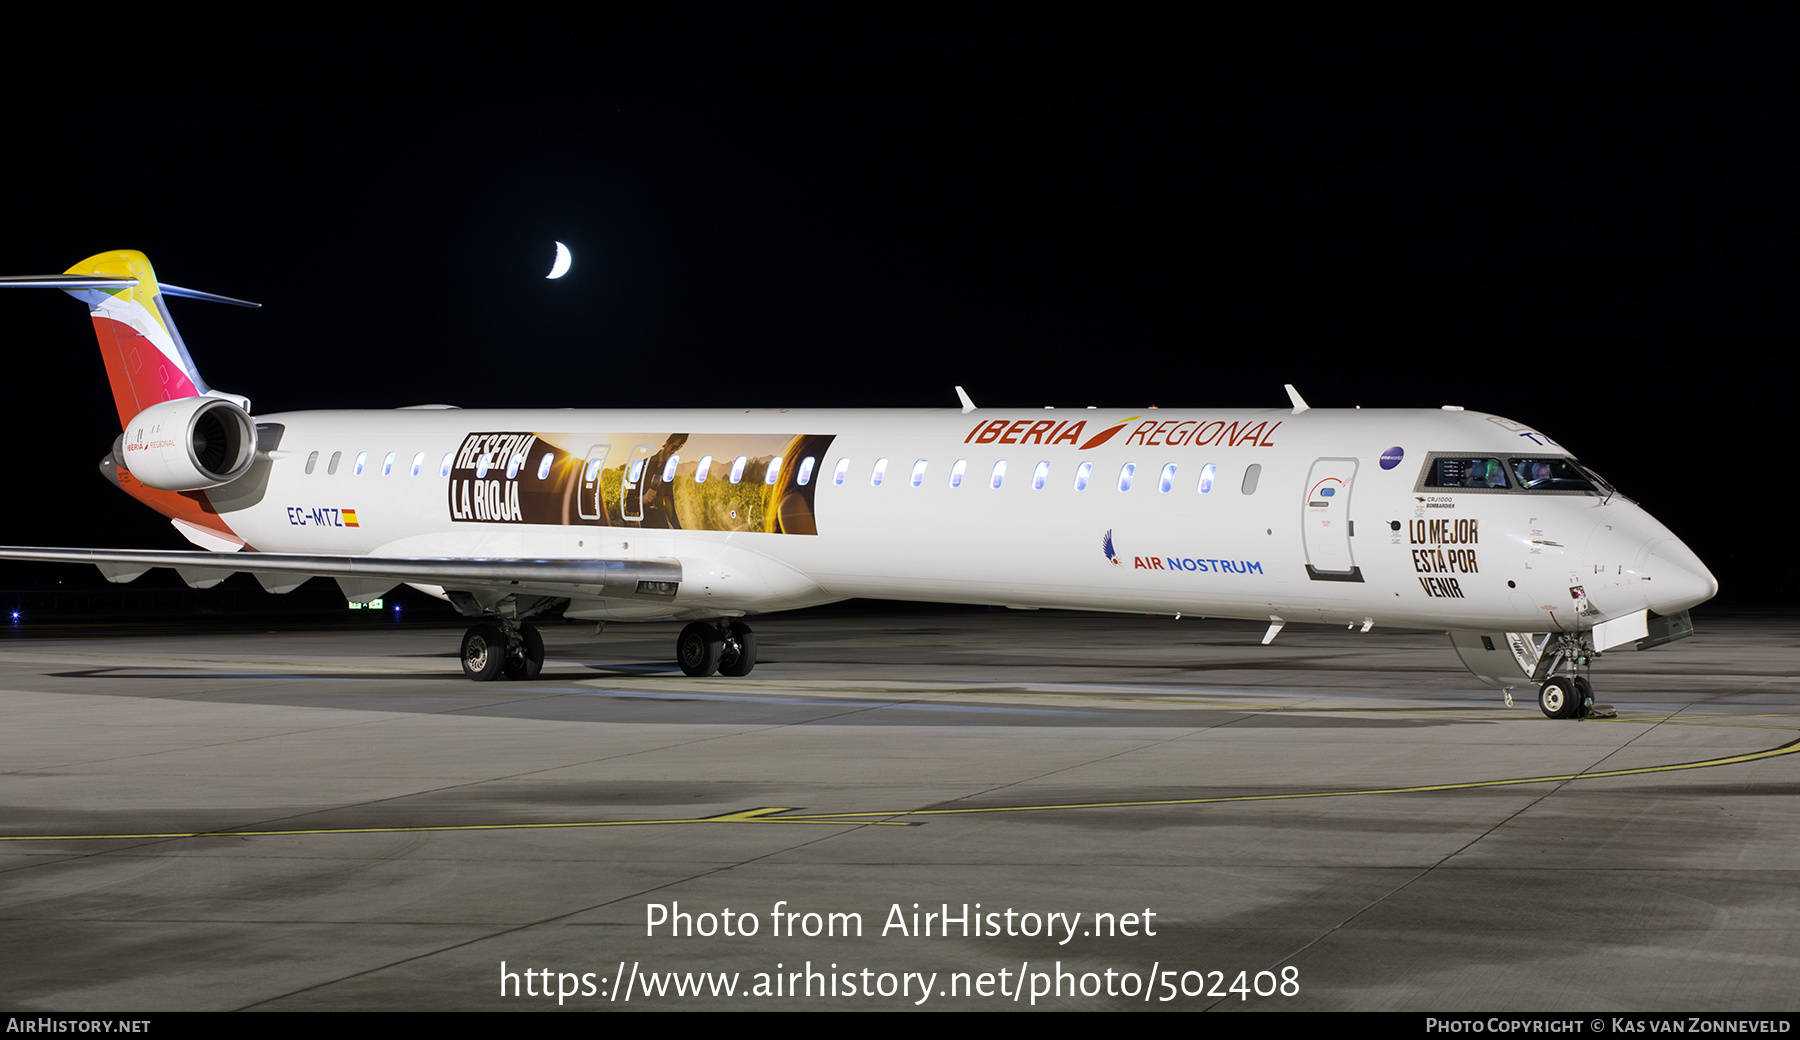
(563, 260)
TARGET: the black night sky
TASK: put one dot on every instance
(1592, 231)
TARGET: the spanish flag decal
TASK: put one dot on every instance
(350, 518)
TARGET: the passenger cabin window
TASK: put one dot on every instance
(1461, 471)
(482, 464)
(362, 459)
(543, 465)
(513, 465)
(878, 472)
(956, 472)
(1081, 475)
(1252, 473)
(804, 477)
(1207, 473)
(418, 463)
(331, 467)
(843, 470)
(444, 468)
(737, 468)
(311, 461)
(592, 471)
(387, 465)
(701, 470)
(999, 474)
(773, 472)
(1126, 472)
(918, 473)
(1167, 481)
(668, 470)
(1040, 475)
(637, 470)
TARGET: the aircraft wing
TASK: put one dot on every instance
(365, 577)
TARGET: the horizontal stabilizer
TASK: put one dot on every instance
(91, 281)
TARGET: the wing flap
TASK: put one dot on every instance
(364, 590)
(203, 577)
(280, 582)
(120, 573)
(551, 576)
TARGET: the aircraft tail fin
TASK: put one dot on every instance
(146, 361)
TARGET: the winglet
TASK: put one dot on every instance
(963, 396)
(1300, 404)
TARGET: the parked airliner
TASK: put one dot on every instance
(1432, 518)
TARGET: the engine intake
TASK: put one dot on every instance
(188, 444)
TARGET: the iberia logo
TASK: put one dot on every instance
(1044, 431)
(1175, 432)
(1108, 434)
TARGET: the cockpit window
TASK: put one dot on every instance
(1462, 471)
(1535, 474)
(1551, 474)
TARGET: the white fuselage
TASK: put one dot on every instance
(1337, 524)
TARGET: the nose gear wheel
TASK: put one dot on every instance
(1565, 697)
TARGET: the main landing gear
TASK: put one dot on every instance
(502, 647)
(495, 647)
(725, 647)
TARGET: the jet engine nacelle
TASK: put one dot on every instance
(188, 444)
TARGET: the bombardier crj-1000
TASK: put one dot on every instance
(1444, 519)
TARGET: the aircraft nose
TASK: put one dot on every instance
(1678, 580)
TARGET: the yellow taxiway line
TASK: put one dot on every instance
(891, 817)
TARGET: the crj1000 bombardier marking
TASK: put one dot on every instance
(1430, 518)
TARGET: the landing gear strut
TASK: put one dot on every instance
(492, 648)
(727, 647)
(525, 655)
